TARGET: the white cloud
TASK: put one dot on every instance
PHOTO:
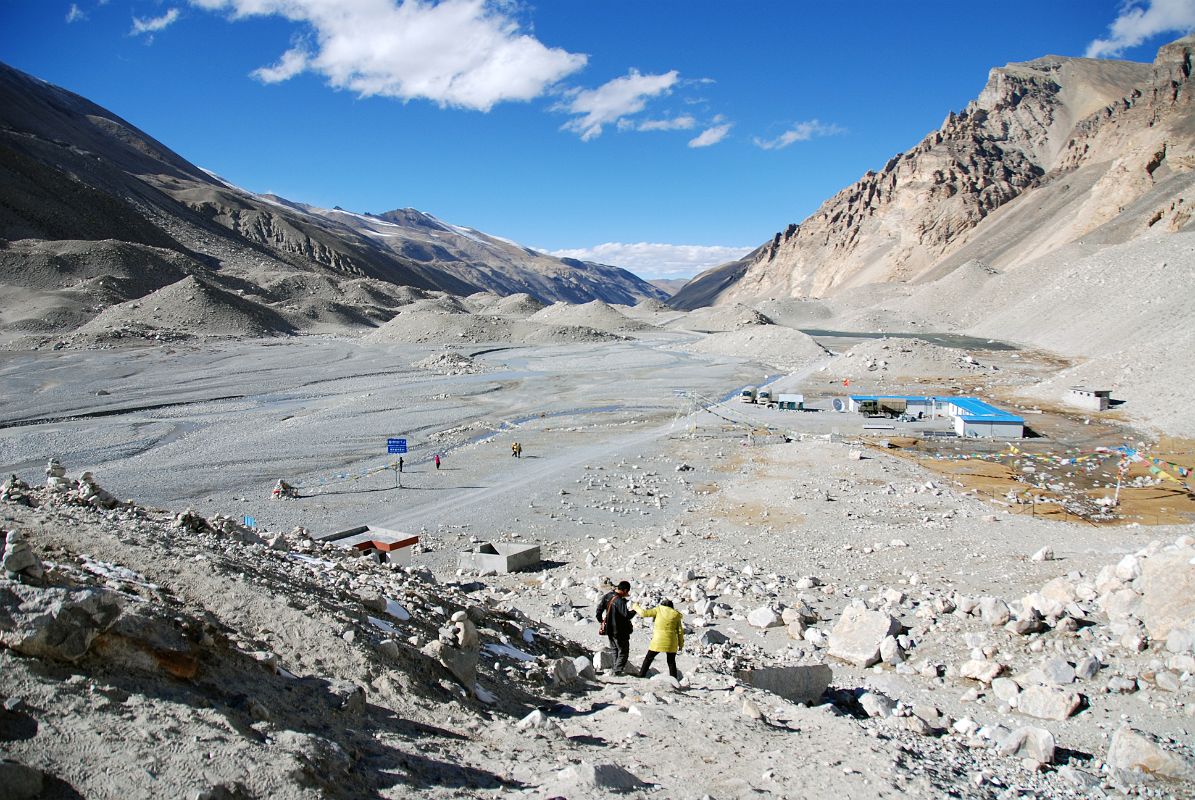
(75, 14)
(801, 132)
(293, 62)
(463, 53)
(1142, 19)
(682, 123)
(650, 260)
(154, 24)
(711, 136)
(613, 100)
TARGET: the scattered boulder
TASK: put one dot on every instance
(1035, 744)
(57, 623)
(857, 636)
(1045, 702)
(982, 671)
(994, 611)
(764, 618)
(1168, 591)
(1133, 750)
(877, 704)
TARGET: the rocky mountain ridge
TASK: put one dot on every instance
(76, 176)
(1110, 133)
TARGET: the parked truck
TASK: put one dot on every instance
(764, 397)
(747, 395)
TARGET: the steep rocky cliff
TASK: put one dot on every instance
(1071, 143)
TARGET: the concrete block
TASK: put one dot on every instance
(798, 684)
(499, 557)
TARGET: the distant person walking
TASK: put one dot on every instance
(400, 463)
(514, 449)
(614, 621)
(518, 449)
(437, 459)
(667, 635)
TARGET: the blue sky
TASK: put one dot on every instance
(658, 135)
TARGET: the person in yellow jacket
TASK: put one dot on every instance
(667, 635)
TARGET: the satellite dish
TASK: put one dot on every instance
(838, 406)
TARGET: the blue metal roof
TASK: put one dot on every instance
(976, 410)
(973, 409)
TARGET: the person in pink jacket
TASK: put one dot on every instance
(667, 635)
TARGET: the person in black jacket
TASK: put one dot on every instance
(614, 616)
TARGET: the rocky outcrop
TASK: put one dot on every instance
(1033, 125)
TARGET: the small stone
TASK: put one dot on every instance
(982, 671)
(994, 611)
(1058, 671)
(877, 704)
(1044, 554)
(1087, 667)
(1006, 689)
(1118, 684)
(751, 711)
(1167, 681)
(764, 618)
(606, 777)
(891, 651)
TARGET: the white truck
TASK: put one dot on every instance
(747, 395)
(764, 397)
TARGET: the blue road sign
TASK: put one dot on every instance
(396, 446)
(250, 522)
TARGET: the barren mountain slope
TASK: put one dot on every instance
(1076, 140)
(71, 170)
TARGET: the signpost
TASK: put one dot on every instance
(396, 447)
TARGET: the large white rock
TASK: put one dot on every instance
(1129, 749)
(1036, 744)
(982, 671)
(764, 618)
(994, 611)
(1168, 591)
(1045, 702)
(858, 634)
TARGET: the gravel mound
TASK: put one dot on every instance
(720, 318)
(450, 363)
(191, 308)
(909, 358)
(595, 314)
(417, 325)
(778, 346)
(564, 334)
(520, 306)
(795, 313)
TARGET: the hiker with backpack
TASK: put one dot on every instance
(614, 616)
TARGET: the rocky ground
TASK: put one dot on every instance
(856, 624)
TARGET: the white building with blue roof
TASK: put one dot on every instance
(973, 418)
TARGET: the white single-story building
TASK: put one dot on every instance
(972, 416)
(1089, 399)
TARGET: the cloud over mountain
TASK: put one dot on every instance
(463, 53)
